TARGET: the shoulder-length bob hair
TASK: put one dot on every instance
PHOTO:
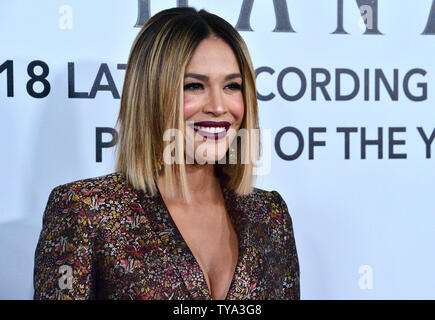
(152, 101)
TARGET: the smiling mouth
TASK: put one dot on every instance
(211, 129)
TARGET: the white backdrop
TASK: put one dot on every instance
(363, 221)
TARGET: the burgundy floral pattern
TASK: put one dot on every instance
(103, 239)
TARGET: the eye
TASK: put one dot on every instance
(234, 86)
(193, 86)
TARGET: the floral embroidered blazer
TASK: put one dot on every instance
(103, 239)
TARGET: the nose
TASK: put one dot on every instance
(215, 103)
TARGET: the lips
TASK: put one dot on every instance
(212, 129)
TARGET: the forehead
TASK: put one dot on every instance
(213, 56)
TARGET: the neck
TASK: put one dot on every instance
(202, 181)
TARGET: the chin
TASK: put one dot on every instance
(210, 158)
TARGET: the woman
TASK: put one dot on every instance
(179, 219)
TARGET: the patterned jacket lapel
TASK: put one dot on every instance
(250, 266)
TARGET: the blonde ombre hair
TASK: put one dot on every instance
(152, 101)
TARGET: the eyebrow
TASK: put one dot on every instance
(206, 78)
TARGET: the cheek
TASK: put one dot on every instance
(191, 106)
(238, 108)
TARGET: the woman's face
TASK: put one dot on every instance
(213, 101)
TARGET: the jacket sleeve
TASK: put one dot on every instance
(291, 286)
(64, 268)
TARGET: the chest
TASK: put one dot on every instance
(212, 240)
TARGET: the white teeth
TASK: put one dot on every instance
(210, 129)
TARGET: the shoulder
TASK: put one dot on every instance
(272, 198)
(92, 193)
(265, 204)
(114, 181)
(111, 180)
(109, 183)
